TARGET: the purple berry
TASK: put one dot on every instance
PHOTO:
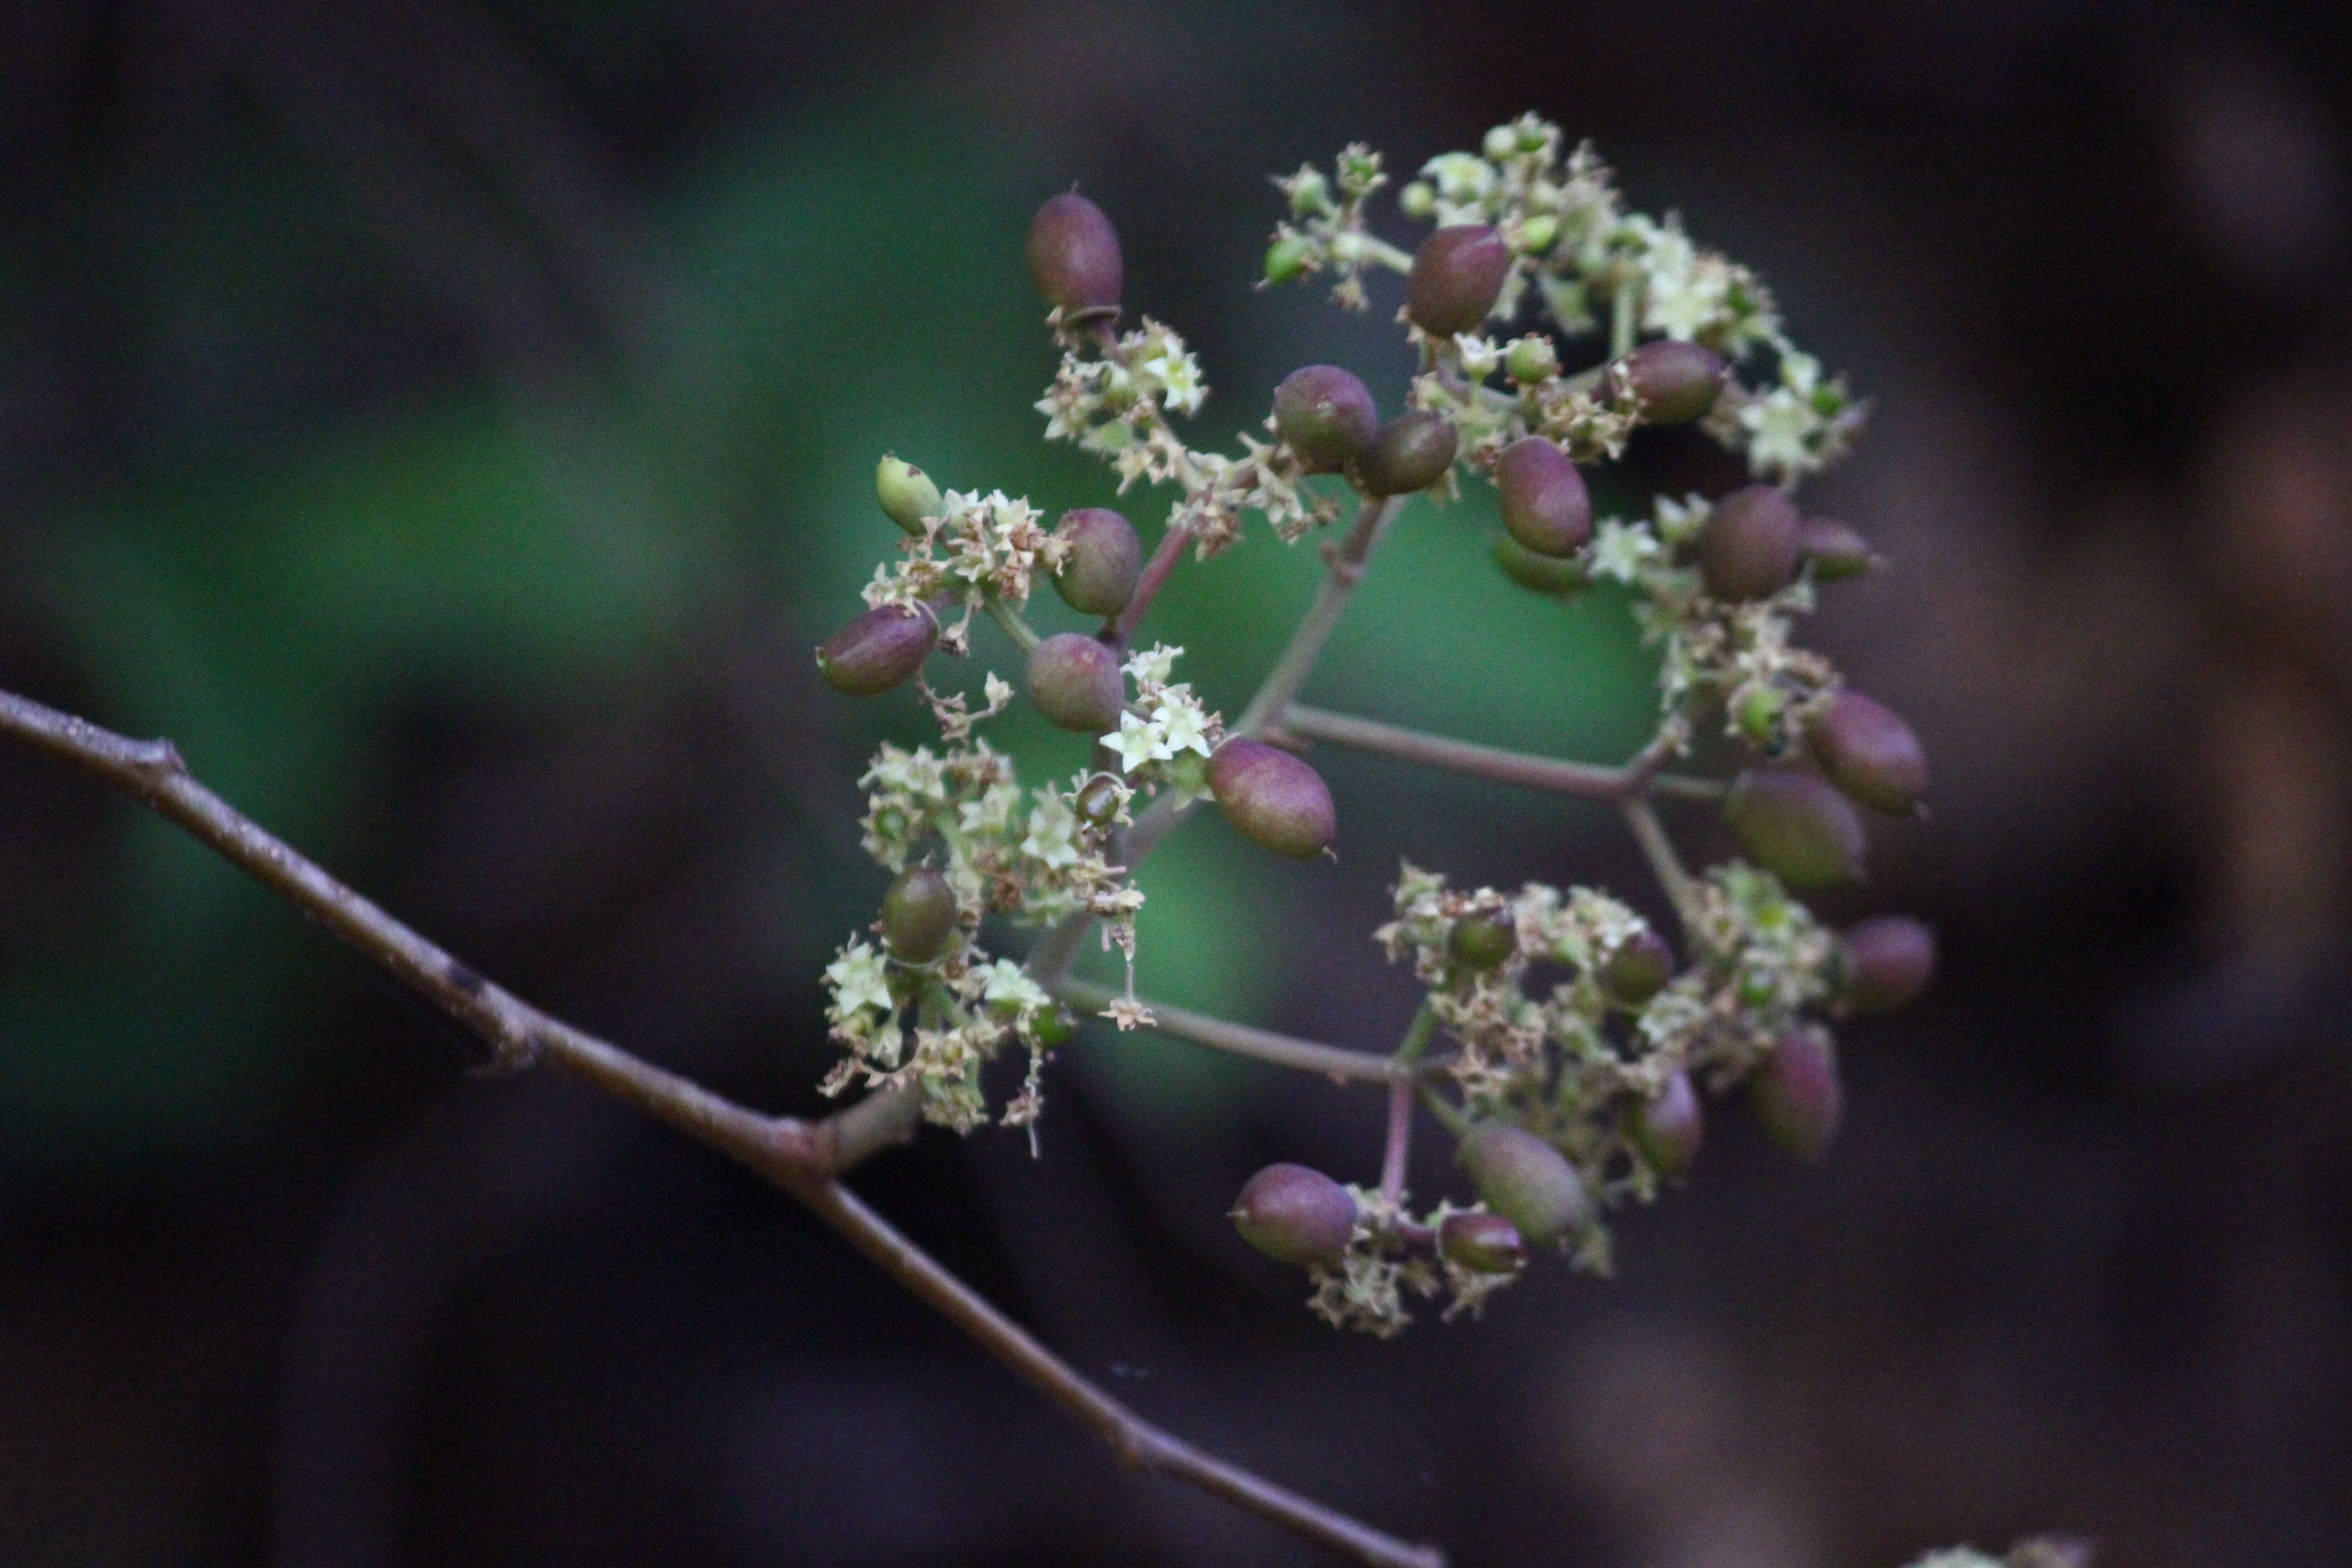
(1868, 751)
(1527, 1180)
(1482, 1243)
(1544, 501)
(918, 915)
(1410, 452)
(1272, 798)
(1749, 548)
(1076, 683)
(1797, 1094)
(1889, 960)
(1671, 383)
(878, 650)
(1074, 257)
(1325, 415)
(1456, 277)
(1795, 826)
(1098, 576)
(1295, 1215)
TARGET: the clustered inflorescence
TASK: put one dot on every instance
(1561, 1040)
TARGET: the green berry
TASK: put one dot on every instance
(918, 915)
(1410, 452)
(1671, 383)
(1417, 201)
(1749, 548)
(1757, 710)
(1073, 256)
(1054, 1029)
(1531, 360)
(1295, 1215)
(1286, 258)
(1482, 942)
(1076, 683)
(1667, 1129)
(906, 493)
(1098, 800)
(1500, 143)
(1868, 751)
(1797, 1094)
(1544, 574)
(1456, 277)
(1272, 798)
(1836, 551)
(1325, 415)
(1889, 960)
(1638, 970)
(1544, 502)
(1527, 1180)
(1796, 826)
(1482, 1243)
(1098, 576)
(1537, 233)
(878, 650)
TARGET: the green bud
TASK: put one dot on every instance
(1098, 800)
(1272, 798)
(1500, 143)
(1482, 942)
(1456, 277)
(1671, 383)
(1537, 233)
(1295, 1216)
(1286, 258)
(1757, 710)
(1667, 1129)
(1054, 1029)
(1482, 1243)
(1417, 201)
(1749, 548)
(1098, 576)
(1531, 359)
(1544, 502)
(1889, 960)
(1836, 551)
(878, 650)
(1797, 1094)
(1325, 415)
(1074, 257)
(1638, 970)
(1311, 192)
(1076, 683)
(1527, 1180)
(906, 493)
(1544, 574)
(1410, 452)
(918, 915)
(1796, 826)
(1869, 752)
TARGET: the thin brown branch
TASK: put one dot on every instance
(1593, 781)
(1244, 1040)
(1119, 631)
(1344, 566)
(793, 1154)
(1664, 864)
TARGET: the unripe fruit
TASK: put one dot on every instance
(1638, 970)
(1537, 233)
(918, 915)
(1671, 383)
(1096, 805)
(1797, 1094)
(1749, 548)
(1456, 276)
(1544, 574)
(1527, 1180)
(1410, 452)
(878, 650)
(1500, 143)
(1795, 826)
(1054, 1029)
(1482, 942)
(1295, 1215)
(1835, 550)
(1272, 798)
(1417, 200)
(1074, 257)
(1889, 960)
(1098, 576)
(1286, 258)
(1076, 684)
(1668, 1128)
(1325, 415)
(1481, 1243)
(1530, 360)
(1869, 752)
(1544, 501)
(906, 493)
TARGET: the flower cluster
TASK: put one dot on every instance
(1165, 736)
(975, 547)
(1392, 1256)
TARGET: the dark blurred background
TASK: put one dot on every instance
(452, 424)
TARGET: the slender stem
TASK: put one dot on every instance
(1664, 862)
(1244, 1040)
(1591, 781)
(793, 1154)
(1449, 1115)
(1400, 1134)
(1119, 631)
(1024, 635)
(1346, 566)
(1393, 258)
(1622, 323)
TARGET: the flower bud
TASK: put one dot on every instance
(1544, 574)
(1074, 257)
(1671, 383)
(1667, 1129)
(1537, 233)
(1482, 942)
(1797, 1094)
(1638, 970)
(1527, 1180)
(906, 493)
(1410, 452)
(1835, 550)
(1272, 798)
(1311, 192)
(1544, 501)
(1325, 415)
(1889, 960)
(1795, 826)
(1757, 709)
(1749, 548)
(1456, 277)
(1076, 684)
(1481, 1243)
(1286, 258)
(1295, 1215)
(878, 650)
(918, 915)
(1500, 143)
(1531, 359)
(1098, 800)
(1869, 752)
(1417, 200)
(1098, 576)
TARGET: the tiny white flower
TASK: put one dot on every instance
(1621, 550)
(1183, 726)
(859, 979)
(1008, 981)
(1138, 742)
(1153, 666)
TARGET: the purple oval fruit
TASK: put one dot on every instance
(1076, 683)
(1889, 958)
(1098, 576)
(1868, 751)
(1797, 1094)
(1482, 1243)
(1074, 257)
(1835, 550)
(1544, 501)
(1457, 274)
(1638, 970)
(1796, 826)
(1527, 1180)
(1749, 548)
(1295, 1215)
(1667, 1129)
(1410, 452)
(878, 650)
(1272, 798)
(918, 915)
(1325, 415)
(1671, 383)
